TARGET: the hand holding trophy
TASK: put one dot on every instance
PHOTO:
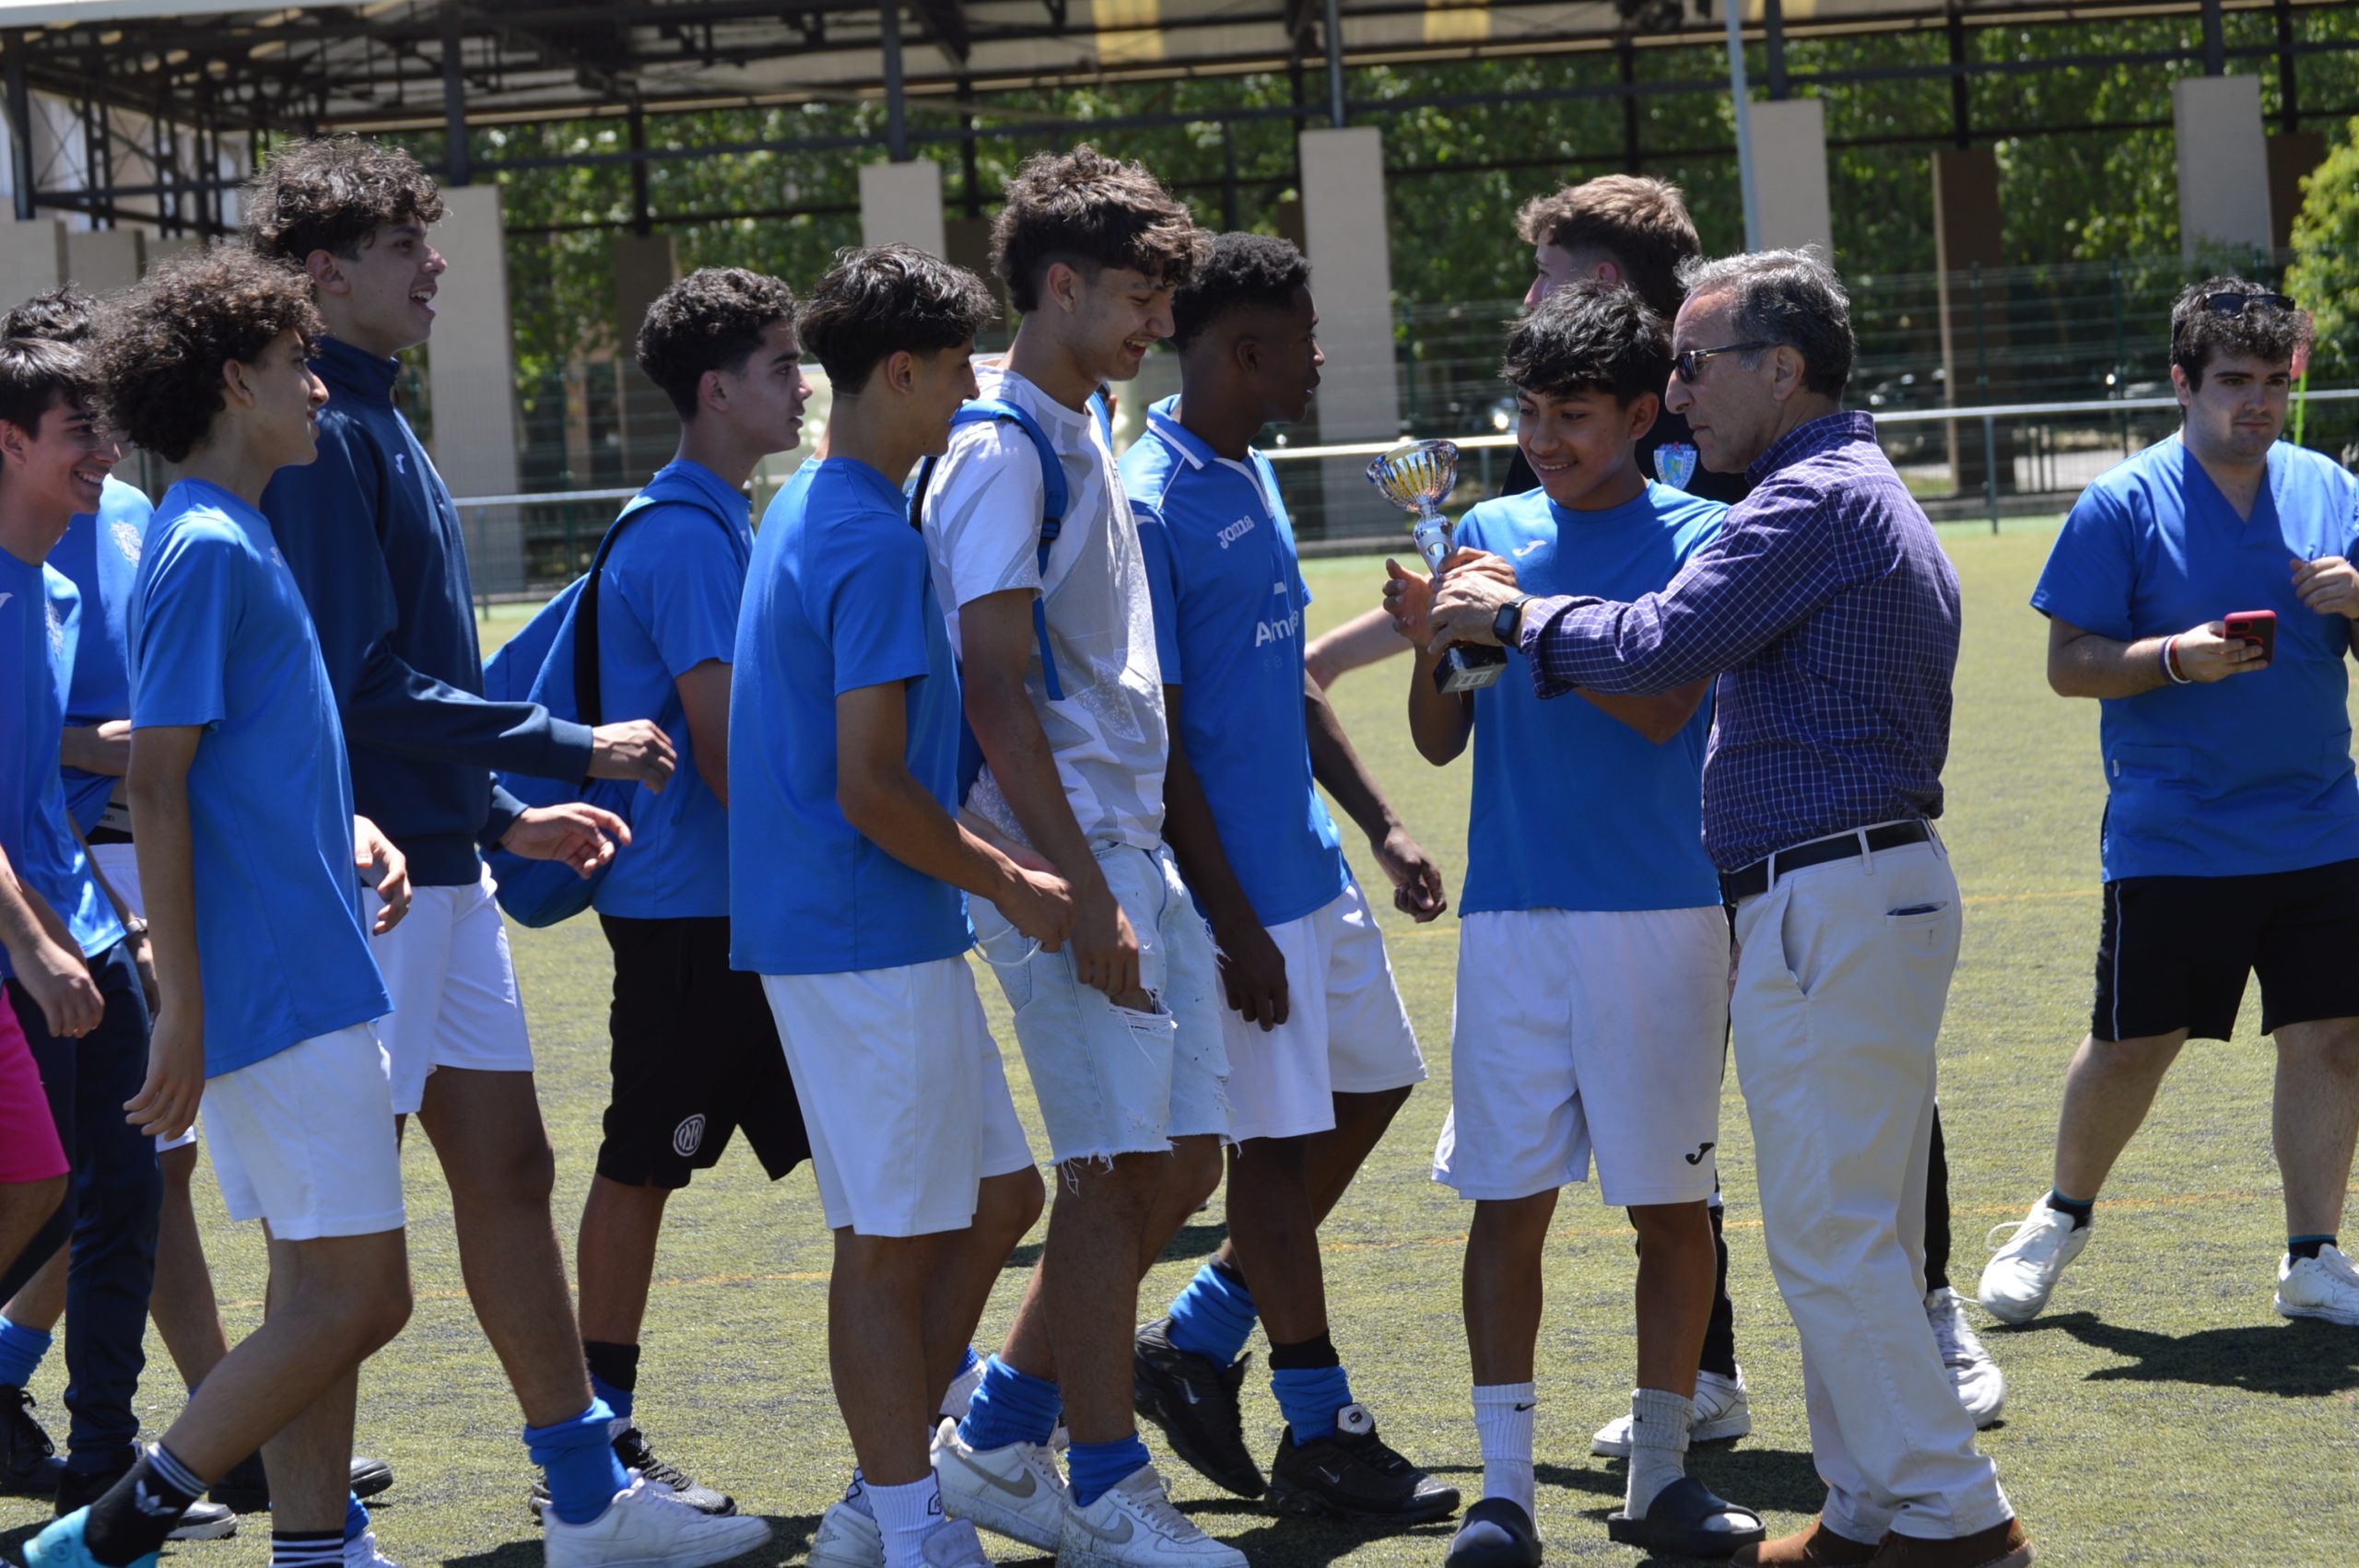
(1416, 478)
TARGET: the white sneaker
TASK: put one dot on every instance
(1013, 1490)
(847, 1538)
(648, 1527)
(2021, 1274)
(954, 1545)
(2326, 1287)
(1981, 1387)
(1134, 1526)
(1723, 1414)
(361, 1553)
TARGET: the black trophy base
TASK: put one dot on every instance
(1467, 669)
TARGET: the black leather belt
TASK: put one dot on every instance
(1747, 881)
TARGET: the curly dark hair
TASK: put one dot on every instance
(2269, 333)
(880, 299)
(332, 194)
(1643, 224)
(163, 342)
(1590, 337)
(712, 320)
(1241, 272)
(1090, 212)
(35, 373)
(61, 315)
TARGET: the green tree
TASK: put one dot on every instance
(2325, 278)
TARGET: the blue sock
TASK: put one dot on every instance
(356, 1517)
(1010, 1407)
(579, 1457)
(1309, 1397)
(20, 1351)
(1213, 1316)
(2080, 1209)
(615, 1400)
(1092, 1468)
(2308, 1246)
(614, 1372)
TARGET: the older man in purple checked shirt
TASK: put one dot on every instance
(1830, 615)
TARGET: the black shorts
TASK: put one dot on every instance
(2176, 951)
(695, 1056)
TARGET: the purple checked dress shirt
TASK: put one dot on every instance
(1830, 614)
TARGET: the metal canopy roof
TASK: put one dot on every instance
(410, 64)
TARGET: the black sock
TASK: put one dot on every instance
(1228, 1269)
(1719, 1331)
(139, 1511)
(617, 1364)
(2308, 1247)
(1304, 1355)
(2080, 1209)
(306, 1549)
(1937, 1211)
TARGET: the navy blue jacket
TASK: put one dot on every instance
(373, 539)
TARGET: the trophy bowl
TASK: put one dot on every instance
(1417, 478)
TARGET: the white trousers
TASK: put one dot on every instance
(1843, 971)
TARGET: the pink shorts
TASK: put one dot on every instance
(28, 1146)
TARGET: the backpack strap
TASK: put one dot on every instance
(1054, 498)
(588, 693)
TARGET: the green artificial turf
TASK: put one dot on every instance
(2159, 1413)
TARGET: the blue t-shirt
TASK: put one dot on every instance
(1573, 809)
(101, 554)
(667, 602)
(840, 597)
(40, 618)
(2245, 776)
(221, 638)
(1228, 600)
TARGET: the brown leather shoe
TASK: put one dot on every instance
(2000, 1546)
(1816, 1547)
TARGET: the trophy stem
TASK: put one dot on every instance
(1432, 537)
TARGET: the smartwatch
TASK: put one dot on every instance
(1507, 625)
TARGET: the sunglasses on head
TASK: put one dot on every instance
(2232, 302)
(1687, 363)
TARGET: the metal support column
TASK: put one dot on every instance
(1773, 44)
(2216, 44)
(1961, 99)
(20, 131)
(1626, 58)
(897, 114)
(1334, 41)
(2289, 90)
(1740, 98)
(454, 96)
(641, 220)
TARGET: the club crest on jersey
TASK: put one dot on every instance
(1675, 464)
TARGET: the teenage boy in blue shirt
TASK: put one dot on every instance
(1320, 1049)
(849, 909)
(249, 848)
(373, 536)
(695, 1055)
(1593, 951)
(2231, 833)
(54, 459)
(100, 555)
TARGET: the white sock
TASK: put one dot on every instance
(907, 1515)
(856, 1494)
(1503, 1417)
(1658, 1424)
(961, 1392)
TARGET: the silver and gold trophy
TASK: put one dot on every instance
(1416, 478)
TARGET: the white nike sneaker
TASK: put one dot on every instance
(1981, 1387)
(2021, 1274)
(954, 1545)
(645, 1526)
(2325, 1287)
(1134, 1526)
(1723, 1414)
(847, 1538)
(1013, 1490)
(361, 1553)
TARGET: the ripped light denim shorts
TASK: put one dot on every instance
(1109, 1079)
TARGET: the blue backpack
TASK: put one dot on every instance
(553, 661)
(1054, 500)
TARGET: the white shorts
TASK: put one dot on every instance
(1345, 1031)
(305, 1139)
(903, 1095)
(120, 866)
(1588, 1030)
(455, 1004)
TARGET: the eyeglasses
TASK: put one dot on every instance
(2233, 303)
(1686, 363)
